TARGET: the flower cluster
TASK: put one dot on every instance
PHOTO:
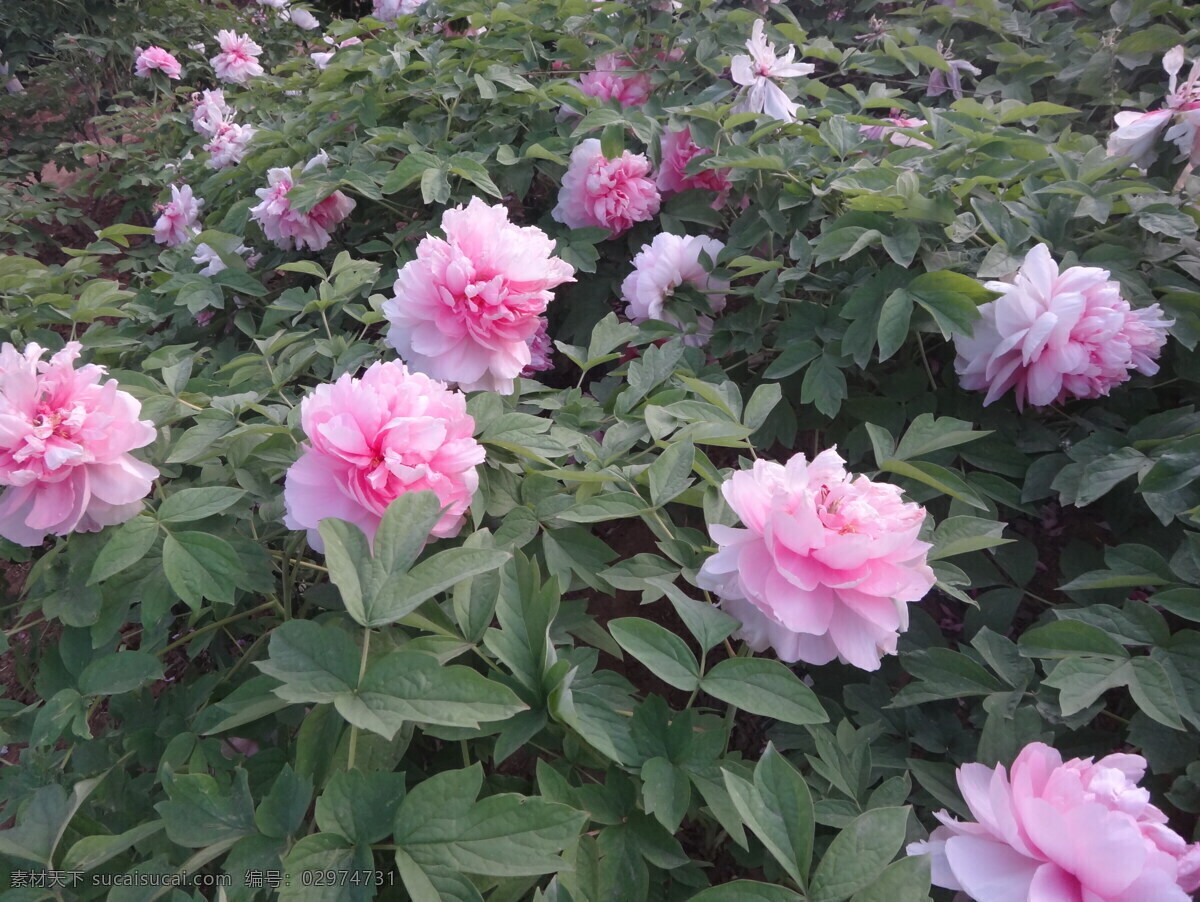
(212, 117)
(826, 564)
(678, 150)
(288, 227)
(1055, 830)
(371, 440)
(662, 266)
(1055, 335)
(468, 307)
(179, 219)
(605, 81)
(610, 194)
(65, 438)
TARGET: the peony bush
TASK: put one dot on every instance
(577, 451)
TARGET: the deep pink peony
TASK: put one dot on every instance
(678, 149)
(605, 82)
(466, 308)
(156, 58)
(661, 267)
(179, 219)
(65, 439)
(1056, 335)
(826, 565)
(610, 194)
(370, 440)
(290, 228)
(1080, 831)
(238, 60)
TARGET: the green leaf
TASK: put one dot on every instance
(943, 673)
(1066, 638)
(360, 806)
(1151, 688)
(126, 545)
(404, 593)
(282, 810)
(792, 358)
(670, 475)
(92, 851)
(327, 855)
(893, 323)
(906, 880)
(52, 718)
(348, 557)
(196, 504)
(38, 826)
(199, 566)
(1080, 681)
(199, 814)
(665, 654)
(120, 672)
(747, 891)
(859, 854)
(778, 808)
(963, 534)
(439, 824)
(610, 506)
(315, 663)
(666, 792)
(927, 434)
(764, 687)
(1033, 110)
(708, 623)
(411, 686)
(945, 481)
(824, 386)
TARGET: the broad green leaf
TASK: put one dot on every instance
(126, 545)
(120, 672)
(665, 654)
(666, 792)
(945, 481)
(859, 854)
(315, 663)
(196, 504)
(91, 851)
(326, 854)
(893, 323)
(37, 829)
(199, 566)
(671, 474)
(282, 809)
(764, 687)
(906, 880)
(360, 806)
(747, 891)
(927, 434)
(199, 813)
(1066, 638)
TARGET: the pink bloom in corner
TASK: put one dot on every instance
(877, 132)
(65, 439)
(604, 193)
(662, 266)
(1056, 335)
(290, 228)
(156, 58)
(238, 59)
(373, 439)
(678, 149)
(466, 309)
(826, 565)
(179, 219)
(1075, 831)
(756, 72)
(1137, 133)
(604, 82)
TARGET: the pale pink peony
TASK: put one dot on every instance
(1079, 831)
(238, 60)
(826, 565)
(678, 149)
(229, 144)
(394, 9)
(1056, 335)
(371, 440)
(661, 267)
(210, 112)
(156, 58)
(65, 439)
(606, 83)
(207, 257)
(541, 351)
(951, 80)
(466, 308)
(1137, 133)
(179, 219)
(892, 133)
(604, 193)
(290, 228)
(303, 18)
(756, 71)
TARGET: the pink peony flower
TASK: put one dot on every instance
(211, 261)
(826, 564)
(610, 194)
(466, 308)
(229, 144)
(1080, 831)
(678, 149)
(604, 82)
(877, 132)
(290, 228)
(756, 72)
(156, 58)
(65, 439)
(1137, 133)
(940, 82)
(238, 59)
(370, 440)
(662, 266)
(210, 112)
(1056, 335)
(179, 219)
(303, 18)
(394, 9)
(541, 351)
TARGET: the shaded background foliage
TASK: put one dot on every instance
(167, 721)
